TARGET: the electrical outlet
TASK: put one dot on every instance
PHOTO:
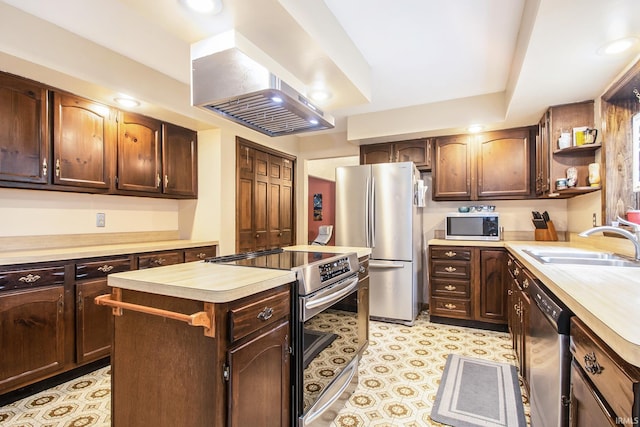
(100, 219)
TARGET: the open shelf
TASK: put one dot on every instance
(573, 191)
(586, 148)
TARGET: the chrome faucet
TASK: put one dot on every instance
(634, 237)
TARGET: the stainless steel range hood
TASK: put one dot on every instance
(230, 83)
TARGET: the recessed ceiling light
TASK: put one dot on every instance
(204, 6)
(127, 102)
(474, 128)
(617, 46)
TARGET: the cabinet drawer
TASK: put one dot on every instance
(450, 307)
(101, 268)
(19, 278)
(159, 259)
(614, 378)
(254, 315)
(198, 254)
(450, 288)
(454, 253)
(452, 269)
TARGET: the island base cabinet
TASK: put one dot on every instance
(253, 377)
(163, 371)
(166, 373)
(587, 408)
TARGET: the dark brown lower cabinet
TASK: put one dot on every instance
(93, 322)
(32, 333)
(587, 408)
(166, 373)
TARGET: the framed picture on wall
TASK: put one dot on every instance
(636, 152)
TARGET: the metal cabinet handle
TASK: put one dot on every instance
(44, 167)
(509, 262)
(29, 278)
(105, 268)
(166, 181)
(450, 288)
(525, 283)
(450, 306)
(158, 181)
(265, 314)
(201, 255)
(450, 269)
(510, 292)
(591, 365)
(362, 269)
(158, 261)
(450, 254)
(61, 304)
(516, 271)
(57, 167)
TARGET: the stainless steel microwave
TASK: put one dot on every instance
(472, 226)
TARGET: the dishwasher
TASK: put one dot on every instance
(548, 346)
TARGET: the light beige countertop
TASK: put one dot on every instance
(76, 252)
(202, 281)
(606, 299)
(360, 251)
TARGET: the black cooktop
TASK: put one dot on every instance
(277, 259)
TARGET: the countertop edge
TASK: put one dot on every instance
(80, 252)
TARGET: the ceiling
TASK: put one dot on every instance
(394, 70)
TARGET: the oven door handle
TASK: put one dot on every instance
(315, 302)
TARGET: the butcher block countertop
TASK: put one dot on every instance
(215, 283)
(202, 281)
(606, 299)
(75, 252)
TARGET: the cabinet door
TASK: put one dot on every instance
(542, 155)
(23, 131)
(280, 201)
(503, 161)
(375, 153)
(417, 151)
(32, 335)
(524, 335)
(179, 161)
(94, 323)
(261, 202)
(138, 153)
(260, 380)
(493, 285)
(83, 142)
(452, 163)
(587, 407)
(245, 187)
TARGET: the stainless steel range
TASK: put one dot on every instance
(326, 345)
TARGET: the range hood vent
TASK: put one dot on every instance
(238, 88)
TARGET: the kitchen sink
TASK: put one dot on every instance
(580, 257)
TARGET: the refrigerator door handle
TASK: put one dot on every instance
(367, 214)
(373, 264)
(372, 212)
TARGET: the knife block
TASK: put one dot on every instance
(546, 234)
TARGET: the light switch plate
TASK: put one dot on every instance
(100, 219)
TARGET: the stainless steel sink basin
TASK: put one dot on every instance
(581, 258)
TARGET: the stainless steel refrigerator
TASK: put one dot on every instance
(376, 207)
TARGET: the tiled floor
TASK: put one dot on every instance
(399, 377)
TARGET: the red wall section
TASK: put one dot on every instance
(328, 191)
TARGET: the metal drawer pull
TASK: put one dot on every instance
(450, 288)
(516, 271)
(591, 365)
(158, 261)
(450, 254)
(525, 284)
(29, 278)
(450, 306)
(201, 255)
(106, 268)
(204, 318)
(450, 269)
(266, 314)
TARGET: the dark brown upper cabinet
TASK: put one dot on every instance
(490, 165)
(417, 151)
(84, 141)
(139, 161)
(23, 131)
(179, 161)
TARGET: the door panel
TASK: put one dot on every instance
(352, 205)
(393, 211)
(391, 291)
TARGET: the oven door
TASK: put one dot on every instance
(327, 372)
